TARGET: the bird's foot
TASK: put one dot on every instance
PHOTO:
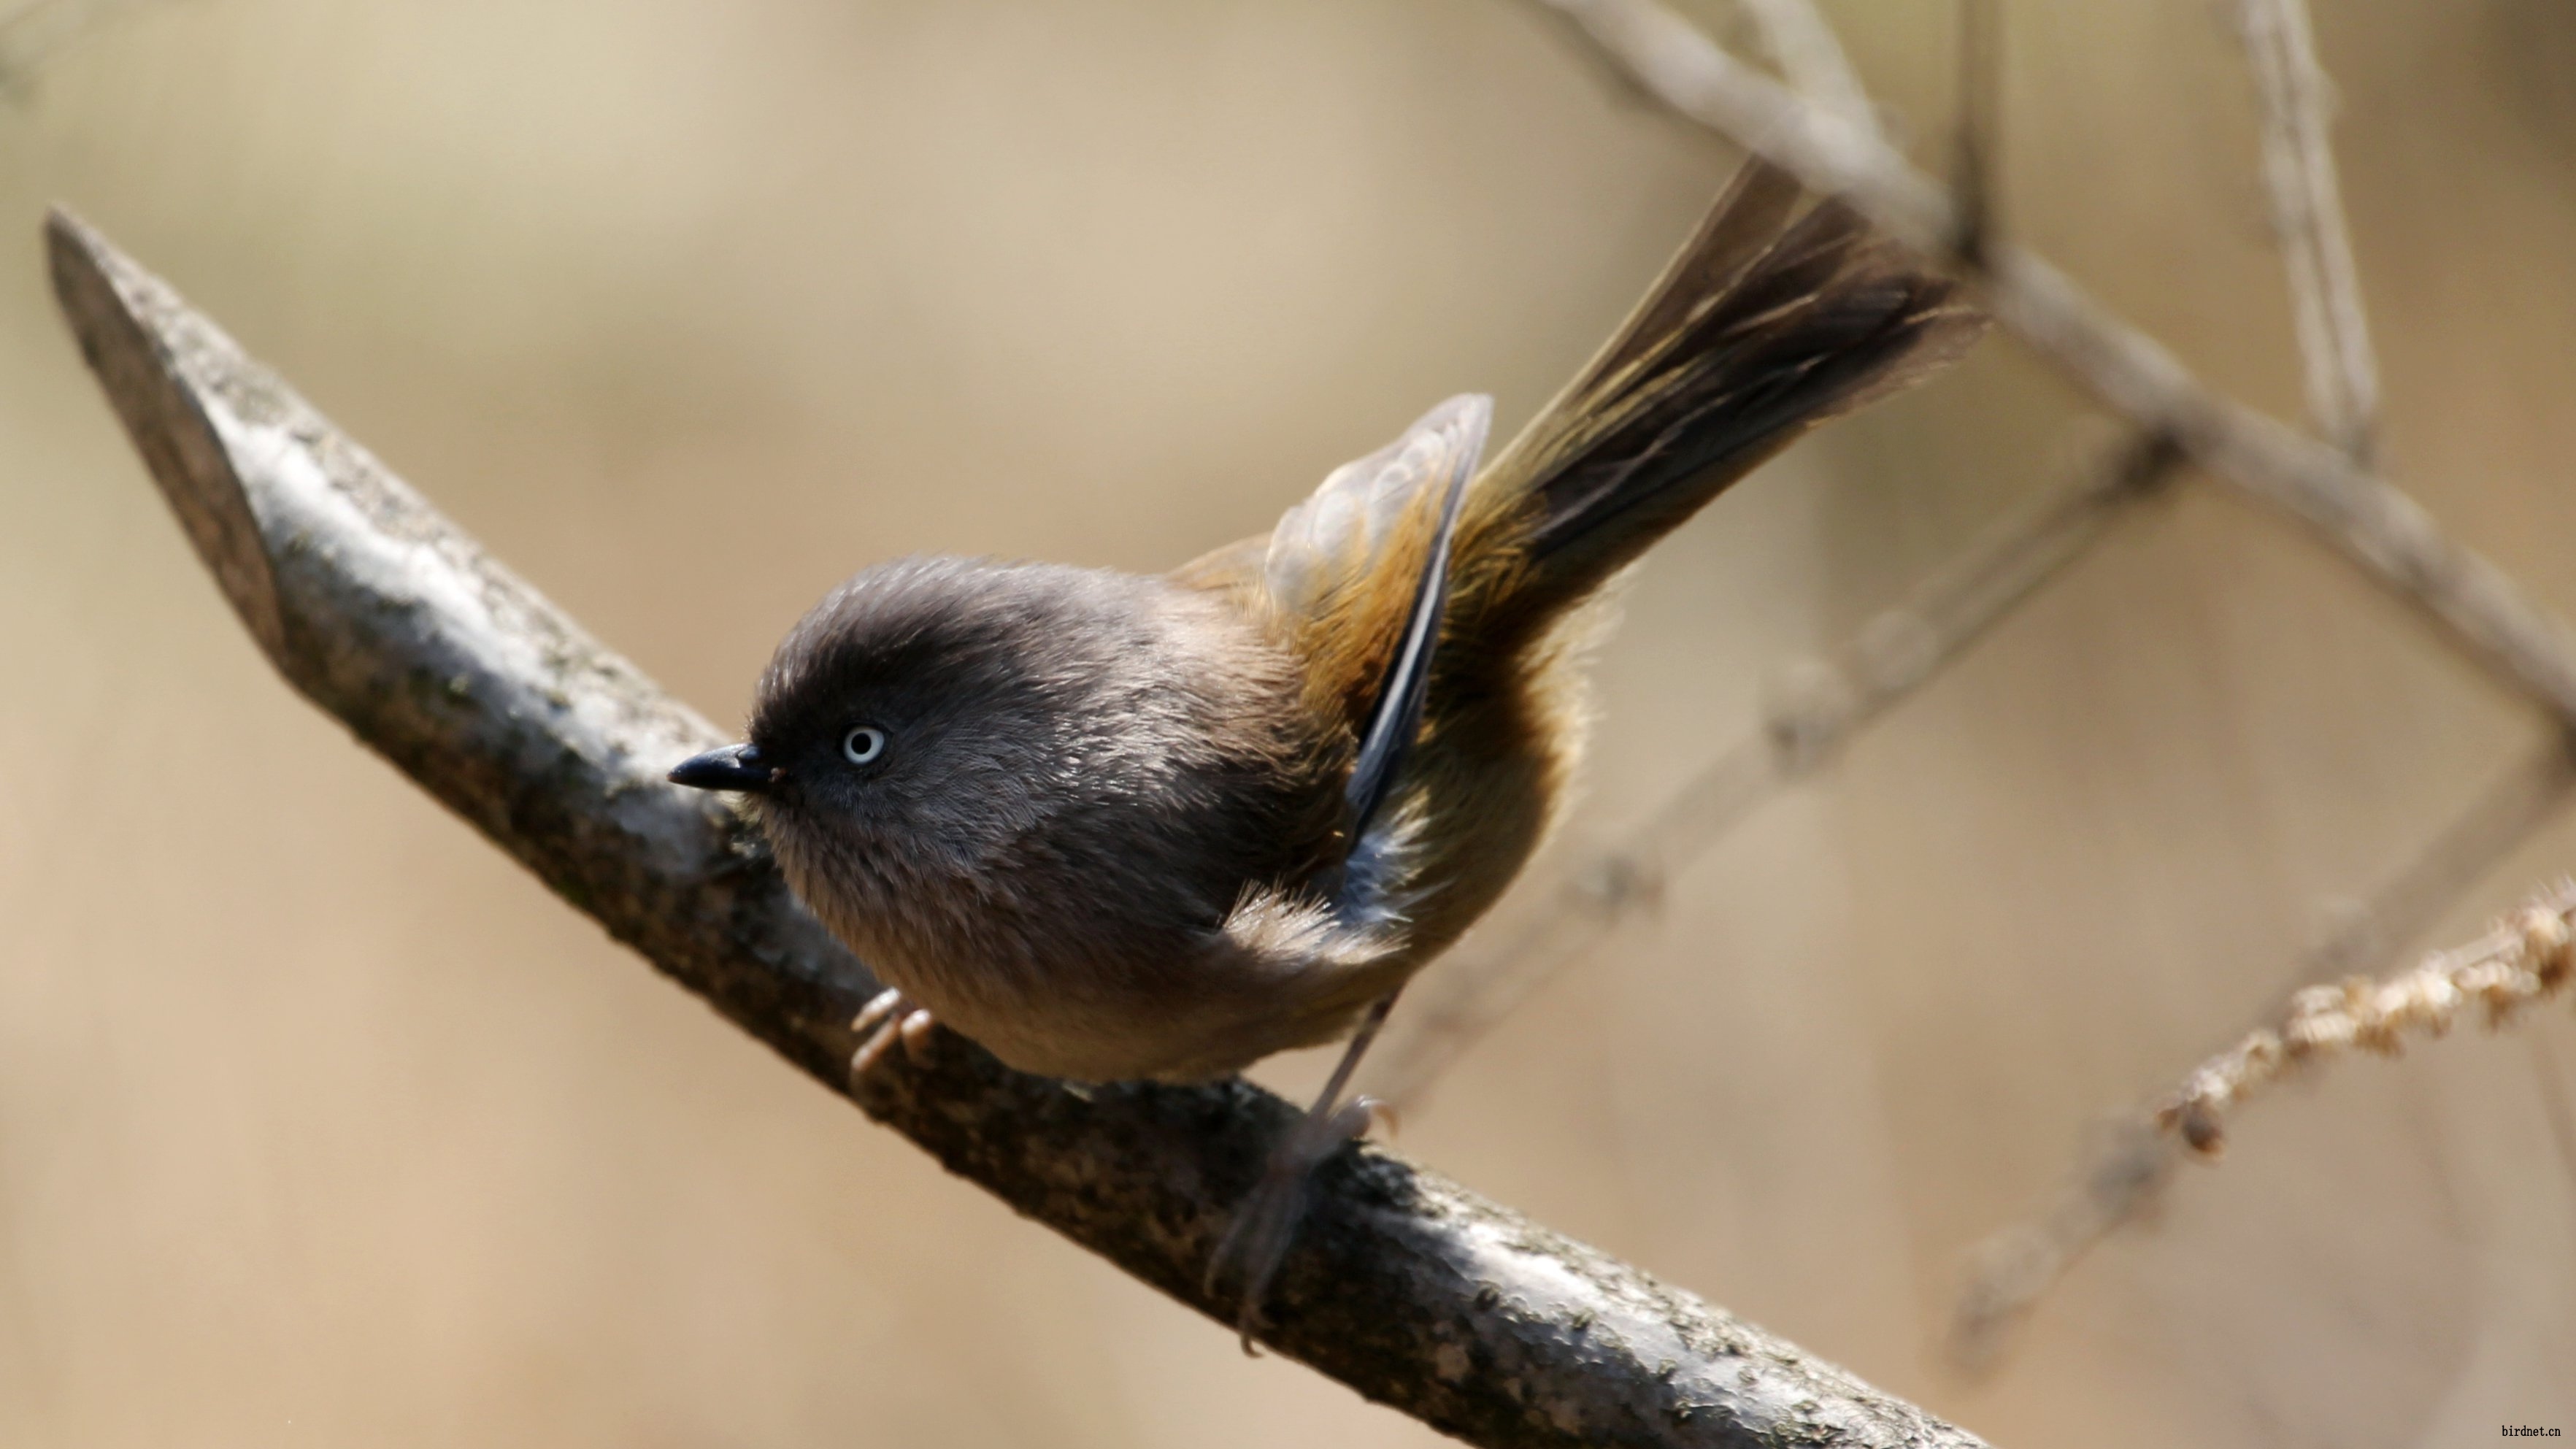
(1265, 1225)
(889, 1017)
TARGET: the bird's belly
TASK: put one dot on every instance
(1200, 1014)
(1175, 1035)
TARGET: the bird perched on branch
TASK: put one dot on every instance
(1115, 827)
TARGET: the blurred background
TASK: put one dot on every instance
(322, 1124)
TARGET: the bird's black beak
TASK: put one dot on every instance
(735, 767)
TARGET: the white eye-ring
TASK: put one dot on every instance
(862, 745)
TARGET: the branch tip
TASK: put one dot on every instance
(131, 330)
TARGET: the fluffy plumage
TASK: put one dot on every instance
(1114, 831)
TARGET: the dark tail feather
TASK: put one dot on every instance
(1762, 327)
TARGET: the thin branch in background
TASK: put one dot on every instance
(2372, 525)
(2524, 959)
(2131, 1161)
(1973, 162)
(1828, 701)
(2341, 499)
(2307, 213)
(2127, 1167)
(1410, 1289)
(1808, 53)
(2367, 936)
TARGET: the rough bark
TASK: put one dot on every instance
(1404, 1286)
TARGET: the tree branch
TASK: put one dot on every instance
(2133, 1159)
(2307, 213)
(2524, 959)
(1811, 57)
(2353, 510)
(1403, 1285)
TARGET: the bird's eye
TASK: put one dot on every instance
(862, 745)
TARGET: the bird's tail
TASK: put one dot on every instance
(1768, 322)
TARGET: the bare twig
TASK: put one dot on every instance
(1812, 59)
(1408, 1288)
(2333, 492)
(1826, 703)
(2523, 959)
(2370, 523)
(1973, 186)
(2307, 212)
(2130, 1161)
(2126, 1170)
(2367, 936)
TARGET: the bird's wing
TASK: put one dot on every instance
(1397, 717)
(1360, 571)
(1341, 537)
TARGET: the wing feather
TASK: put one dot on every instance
(1335, 542)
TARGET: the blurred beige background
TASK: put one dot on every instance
(321, 1125)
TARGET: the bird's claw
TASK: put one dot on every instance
(1256, 1243)
(887, 1018)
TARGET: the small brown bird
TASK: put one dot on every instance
(1116, 827)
